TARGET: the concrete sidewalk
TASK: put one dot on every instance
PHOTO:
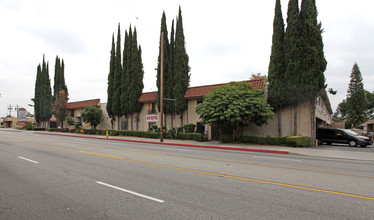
(322, 151)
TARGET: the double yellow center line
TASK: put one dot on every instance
(200, 172)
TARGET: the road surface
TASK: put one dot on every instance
(52, 177)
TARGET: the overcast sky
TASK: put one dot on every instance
(225, 40)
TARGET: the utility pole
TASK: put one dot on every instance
(162, 89)
(10, 107)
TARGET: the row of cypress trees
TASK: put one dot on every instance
(297, 61)
(43, 98)
(176, 68)
(44, 101)
(125, 78)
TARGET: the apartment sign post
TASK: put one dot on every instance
(152, 118)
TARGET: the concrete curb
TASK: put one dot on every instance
(174, 144)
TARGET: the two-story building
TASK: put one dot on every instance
(194, 95)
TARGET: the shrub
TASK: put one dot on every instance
(78, 125)
(153, 128)
(70, 120)
(28, 125)
(192, 136)
(38, 129)
(226, 138)
(298, 141)
(189, 128)
(59, 129)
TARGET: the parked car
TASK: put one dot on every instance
(342, 136)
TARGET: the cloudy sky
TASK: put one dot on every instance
(225, 40)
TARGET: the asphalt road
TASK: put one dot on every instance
(52, 177)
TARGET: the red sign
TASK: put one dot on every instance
(151, 118)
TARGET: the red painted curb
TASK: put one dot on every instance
(174, 144)
(11, 130)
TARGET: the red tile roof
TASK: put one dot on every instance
(82, 104)
(148, 97)
(201, 91)
(198, 91)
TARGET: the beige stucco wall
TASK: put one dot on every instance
(322, 112)
(287, 123)
(105, 123)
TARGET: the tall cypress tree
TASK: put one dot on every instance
(171, 79)
(110, 89)
(62, 78)
(137, 74)
(46, 96)
(313, 59)
(166, 73)
(181, 68)
(57, 84)
(125, 81)
(60, 92)
(116, 101)
(292, 54)
(37, 95)
(277, 66)
(132, 77)
(356, 101)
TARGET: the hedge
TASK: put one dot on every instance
(191, 136)
(59, 129)
(228, 138)
(299, 141)
(38, 129)
(263, 140)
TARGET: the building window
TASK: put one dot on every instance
(151, 108)
(72, 113)
(150, 124)
(198, 101)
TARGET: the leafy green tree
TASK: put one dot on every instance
(92, 115)
(110, 90)
(341, 111)
(116, 98)
(235, 105)
(70, 120)
(356, 101)
(181, 68)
